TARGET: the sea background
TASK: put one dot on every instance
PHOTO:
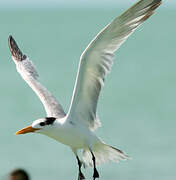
(137, 105)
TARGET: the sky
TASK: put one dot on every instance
(71, 3)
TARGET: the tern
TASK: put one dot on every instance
(76, 128)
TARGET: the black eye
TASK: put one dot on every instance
(42, 124)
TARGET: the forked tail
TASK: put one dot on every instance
(103, 153)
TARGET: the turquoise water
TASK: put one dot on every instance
(136, 107)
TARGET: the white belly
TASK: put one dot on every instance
(74, 136)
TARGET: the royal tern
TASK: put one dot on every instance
(76, 128)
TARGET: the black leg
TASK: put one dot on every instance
(95, 174)
(80, 175)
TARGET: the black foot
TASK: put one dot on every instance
(96, 174)
(81, 176)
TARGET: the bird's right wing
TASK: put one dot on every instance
(97, 60)
(29, 73)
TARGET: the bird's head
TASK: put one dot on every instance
(38, 126)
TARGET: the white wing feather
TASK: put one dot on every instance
(29, 73)
(97, 60)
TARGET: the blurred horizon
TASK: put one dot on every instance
(18, 4)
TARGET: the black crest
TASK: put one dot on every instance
(49, 120)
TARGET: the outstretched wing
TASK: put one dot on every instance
(29, 73)
(97, 60)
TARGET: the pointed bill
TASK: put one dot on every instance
(28, 129)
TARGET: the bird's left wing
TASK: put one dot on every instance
(97, 60)
(29, 73)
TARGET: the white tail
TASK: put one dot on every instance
(103, 153)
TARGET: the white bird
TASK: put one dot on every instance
(76, 128)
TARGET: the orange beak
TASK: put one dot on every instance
(28, 129)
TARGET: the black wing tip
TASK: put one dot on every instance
(11, 42)
(10, 37)
(156, 3)
(152, 6)
(14, 49)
